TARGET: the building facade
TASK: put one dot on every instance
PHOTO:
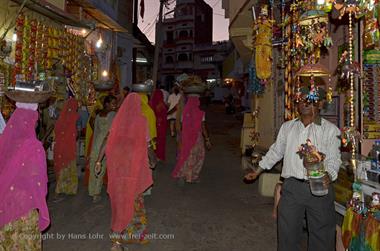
(188, 46)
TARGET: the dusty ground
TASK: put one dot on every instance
(219, 214)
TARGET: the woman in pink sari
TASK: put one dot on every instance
(128, 170)
(194, 137)
(23, 182)
(160, 110)
(65, 149)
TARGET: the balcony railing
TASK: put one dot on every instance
(184, 65)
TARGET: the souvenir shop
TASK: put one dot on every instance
(333, 45)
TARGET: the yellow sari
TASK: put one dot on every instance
(149, 115)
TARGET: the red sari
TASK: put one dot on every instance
(160, 110)
(65, 149)
(128, 169)
(191, 154)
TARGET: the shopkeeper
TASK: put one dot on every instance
(296, 198)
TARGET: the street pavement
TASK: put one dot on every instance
(221, 213)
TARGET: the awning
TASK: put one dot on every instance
(104, 21)
(241, 31)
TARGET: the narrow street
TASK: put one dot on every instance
(219, 213)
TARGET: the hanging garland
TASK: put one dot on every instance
(254, 85)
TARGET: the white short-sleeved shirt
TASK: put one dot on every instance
(173, 101)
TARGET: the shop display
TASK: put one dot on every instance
(307, 35)
(361, 226)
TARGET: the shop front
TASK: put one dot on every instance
(330, 46)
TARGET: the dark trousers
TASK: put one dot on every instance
(296, 202)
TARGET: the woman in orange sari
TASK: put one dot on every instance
(65, 149)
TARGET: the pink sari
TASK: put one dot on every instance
(23, 174)
(191, 129)
(128, 169)
(160, 110)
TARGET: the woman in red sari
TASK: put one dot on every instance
(128, 171)
(160, 110)
(65, 149)
(194, 137)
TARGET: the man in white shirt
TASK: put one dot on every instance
(296, 199)
(173, 106)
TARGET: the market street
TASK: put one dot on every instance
(219, 213)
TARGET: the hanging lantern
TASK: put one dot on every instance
(315, 70)
(313, 16)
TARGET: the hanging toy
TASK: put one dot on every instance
(263, 44)
(350, 135)
(313, 95)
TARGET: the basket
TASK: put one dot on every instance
(194, 89)
(27, 96)
(103, 85)
(142, 88)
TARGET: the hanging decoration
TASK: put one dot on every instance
(254, 85)
(356, 7)
(307, 33)
(371, 30)
(262, 33)
(312, 71)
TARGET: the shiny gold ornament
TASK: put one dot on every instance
(315, 70)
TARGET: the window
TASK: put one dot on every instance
(183, 34)
(169, 36)
(183, 48)
(169, 59)
(182, 57)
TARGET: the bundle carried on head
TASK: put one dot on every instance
(193, 85)
(146, 87)
(191, 81)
